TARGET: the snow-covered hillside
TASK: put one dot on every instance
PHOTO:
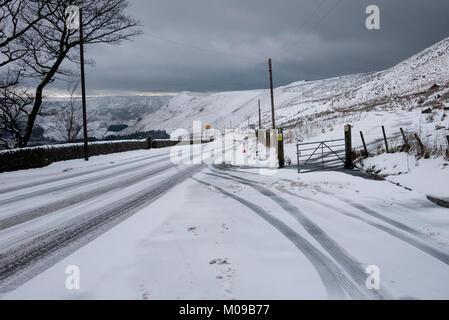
(396, 96)
(106, 111)
(406, 86)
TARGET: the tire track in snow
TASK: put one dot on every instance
(332, 277)
(73, 184)
(390, 221)
(16, 264)
(353, 267)
(427, 248)
(360, 207)
(75, 175)
(33, 213)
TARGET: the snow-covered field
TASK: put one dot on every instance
(216, 231)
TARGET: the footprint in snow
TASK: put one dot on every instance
(192, 230)
(219, 261)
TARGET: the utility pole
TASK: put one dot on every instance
(83, 87)
(260, 118)
(273, 125)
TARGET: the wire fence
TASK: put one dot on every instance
(390, 141)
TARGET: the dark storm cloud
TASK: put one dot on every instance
(211, 45)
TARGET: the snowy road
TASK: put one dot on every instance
(140, 227)
(49, 218)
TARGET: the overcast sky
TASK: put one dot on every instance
(216, 45)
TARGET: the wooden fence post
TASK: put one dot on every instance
(364, 144)
(385, 139)
(348, 147)
(405, 138)
(447, 151)
(420, 144)
(267, 140)
(234, 156)
(223, 147)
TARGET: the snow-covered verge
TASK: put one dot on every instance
(427, 176)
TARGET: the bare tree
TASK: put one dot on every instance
(14, 109)
(104, 22)
(45, 44)
(17, 17)
(68, 117)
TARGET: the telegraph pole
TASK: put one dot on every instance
(273, 125)
(83, 88)
(260, 117)
(280, 142)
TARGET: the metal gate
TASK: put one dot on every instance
(322, 155)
